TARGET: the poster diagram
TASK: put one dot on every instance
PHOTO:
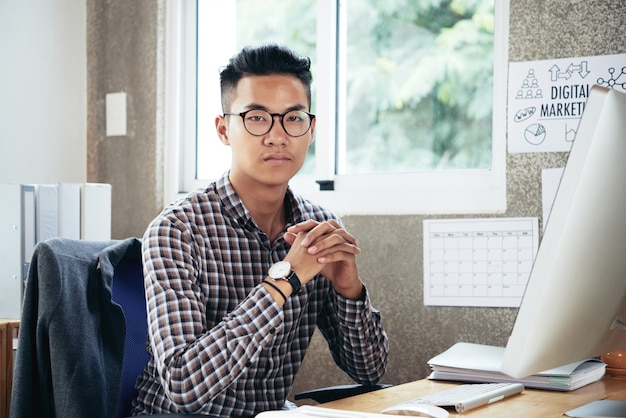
(547, 98)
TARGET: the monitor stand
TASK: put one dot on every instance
(603, 408)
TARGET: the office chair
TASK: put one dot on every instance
(83, 330)
(128, 292)
(71, 341)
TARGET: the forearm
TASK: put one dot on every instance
(361, 344)
(196, 365)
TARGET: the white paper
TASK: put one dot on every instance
(478, 262)
(487, 358)
(546, 98)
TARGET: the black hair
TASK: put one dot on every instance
(265, 59)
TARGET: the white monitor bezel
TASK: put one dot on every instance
(577, 286)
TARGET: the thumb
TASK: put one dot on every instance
(290, 237)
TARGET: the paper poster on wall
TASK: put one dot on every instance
(546, 98)
(478, 262)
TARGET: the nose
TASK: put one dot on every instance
(277, 134)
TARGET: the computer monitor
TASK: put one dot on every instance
(574, 305)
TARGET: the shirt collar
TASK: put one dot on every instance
(234, 207)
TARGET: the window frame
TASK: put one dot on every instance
(432, 192)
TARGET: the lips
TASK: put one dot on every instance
(278, 158)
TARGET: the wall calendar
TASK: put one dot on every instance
(478, 262)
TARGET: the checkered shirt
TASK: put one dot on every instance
(219, 343)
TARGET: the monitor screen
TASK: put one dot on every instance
(575, 298)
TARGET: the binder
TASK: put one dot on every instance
(96, 212)
(69, 210)
(31, 213)
(10, 250)
(28, 224)
(47, 211)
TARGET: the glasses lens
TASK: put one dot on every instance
(257, 122)
(296, 123)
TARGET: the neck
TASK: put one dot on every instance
(266, 205)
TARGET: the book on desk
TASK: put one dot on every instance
(478, 363)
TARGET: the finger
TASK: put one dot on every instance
(324, 229)
(290, 237)
(335, 238)
(346, 255)
(332, 248)
(303, 226)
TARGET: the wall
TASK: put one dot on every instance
(122, 50)
(125, 49)
(42, 91)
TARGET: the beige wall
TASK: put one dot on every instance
(43, 100)
(124, 53)
(124, 45)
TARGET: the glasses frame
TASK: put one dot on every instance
(273, 115)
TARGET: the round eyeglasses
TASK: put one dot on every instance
(259, 122)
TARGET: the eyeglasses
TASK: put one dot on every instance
(259, 122)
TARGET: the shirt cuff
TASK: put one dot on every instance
(352, 312)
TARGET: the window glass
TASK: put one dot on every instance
(403, 91)
(224, 27)
(418, 86)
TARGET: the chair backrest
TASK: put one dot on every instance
(73, 348)
(128, 292)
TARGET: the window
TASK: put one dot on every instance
(408, 121)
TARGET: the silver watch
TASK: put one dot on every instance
(282, 271)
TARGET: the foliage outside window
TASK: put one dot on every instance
(413, 88)
(418, 85)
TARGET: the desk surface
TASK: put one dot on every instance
(530, 403)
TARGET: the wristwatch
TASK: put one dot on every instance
(282, 271)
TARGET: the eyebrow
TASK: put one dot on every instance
(261, 107)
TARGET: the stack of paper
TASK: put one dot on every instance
(467, 362)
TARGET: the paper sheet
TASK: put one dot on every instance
(478, 262)
(546, 98)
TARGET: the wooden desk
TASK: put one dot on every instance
(530, 403)
(8, 335)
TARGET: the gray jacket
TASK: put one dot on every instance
(71, 338)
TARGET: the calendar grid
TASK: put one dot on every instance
(478, 262)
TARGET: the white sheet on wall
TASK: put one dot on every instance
(478, 262)
(547, 98)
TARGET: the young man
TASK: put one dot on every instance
(239, 275)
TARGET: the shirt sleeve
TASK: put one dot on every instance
(194, 363)
(357, 340)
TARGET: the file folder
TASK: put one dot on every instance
(15, 198)
(69, 210)
(47, 211)
(96, 212)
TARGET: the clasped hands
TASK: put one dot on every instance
(326, 248)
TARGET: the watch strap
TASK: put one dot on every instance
(294, 281)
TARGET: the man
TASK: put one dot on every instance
(239, 275)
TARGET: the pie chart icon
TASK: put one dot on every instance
(535, 134)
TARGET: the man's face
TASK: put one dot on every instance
(273, 158)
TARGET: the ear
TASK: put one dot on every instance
(221, 126)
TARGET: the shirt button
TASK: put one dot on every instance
(272, 330)
(248, 363)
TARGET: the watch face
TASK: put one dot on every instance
(279, 270)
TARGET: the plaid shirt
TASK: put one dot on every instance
(219, 343)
